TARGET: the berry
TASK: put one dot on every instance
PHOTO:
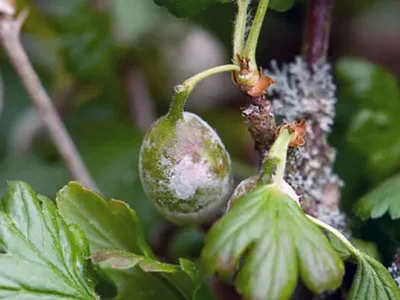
(185, 169)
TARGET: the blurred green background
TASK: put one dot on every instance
(111, 70)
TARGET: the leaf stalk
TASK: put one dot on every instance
(240, 29)
(349, 246)
(252, 40)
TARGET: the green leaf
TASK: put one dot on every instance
(374, 128)
(184, 277)
(281, 5)
(340, 249)
(115, 226)
(85, 38)
(385, 198)
(42, 257)
(111, 225)
(268, 237)
(366, 247)
(369, 248)
(187, 8)
(372, 281)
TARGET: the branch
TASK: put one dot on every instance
(317, 31)
(10, 39)
(141, 108)
(31, 124)
(261, 123)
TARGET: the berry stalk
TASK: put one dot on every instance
(182, 91)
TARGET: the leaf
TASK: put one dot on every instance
(281, 5)
(369, 248)
(340, 249)
(268, 237)
(85, 38)
(366, 247)
(372, 281)
(184, 276)
(374, 128)
(186, 8)
(43, 257)
(114, 226)
(385, 198)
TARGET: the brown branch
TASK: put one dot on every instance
(258, 112)
(261, 123)
(317, 31)
(10, 39)
(32, 127)
(141, 108)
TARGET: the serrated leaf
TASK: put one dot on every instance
(186, 8)
(372, 281)
(385, 198)
(374, 128)
(43, 257)
(111, 225)
(270, 234)
(114, 226)
(281, 5)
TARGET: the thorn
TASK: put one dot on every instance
(21, 18)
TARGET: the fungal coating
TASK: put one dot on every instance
(185, 169)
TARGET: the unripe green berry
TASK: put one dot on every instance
(185, 169)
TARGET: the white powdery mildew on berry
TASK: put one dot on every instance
(211, 134)
(188, 176)
(188, 167)
(304, 94)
